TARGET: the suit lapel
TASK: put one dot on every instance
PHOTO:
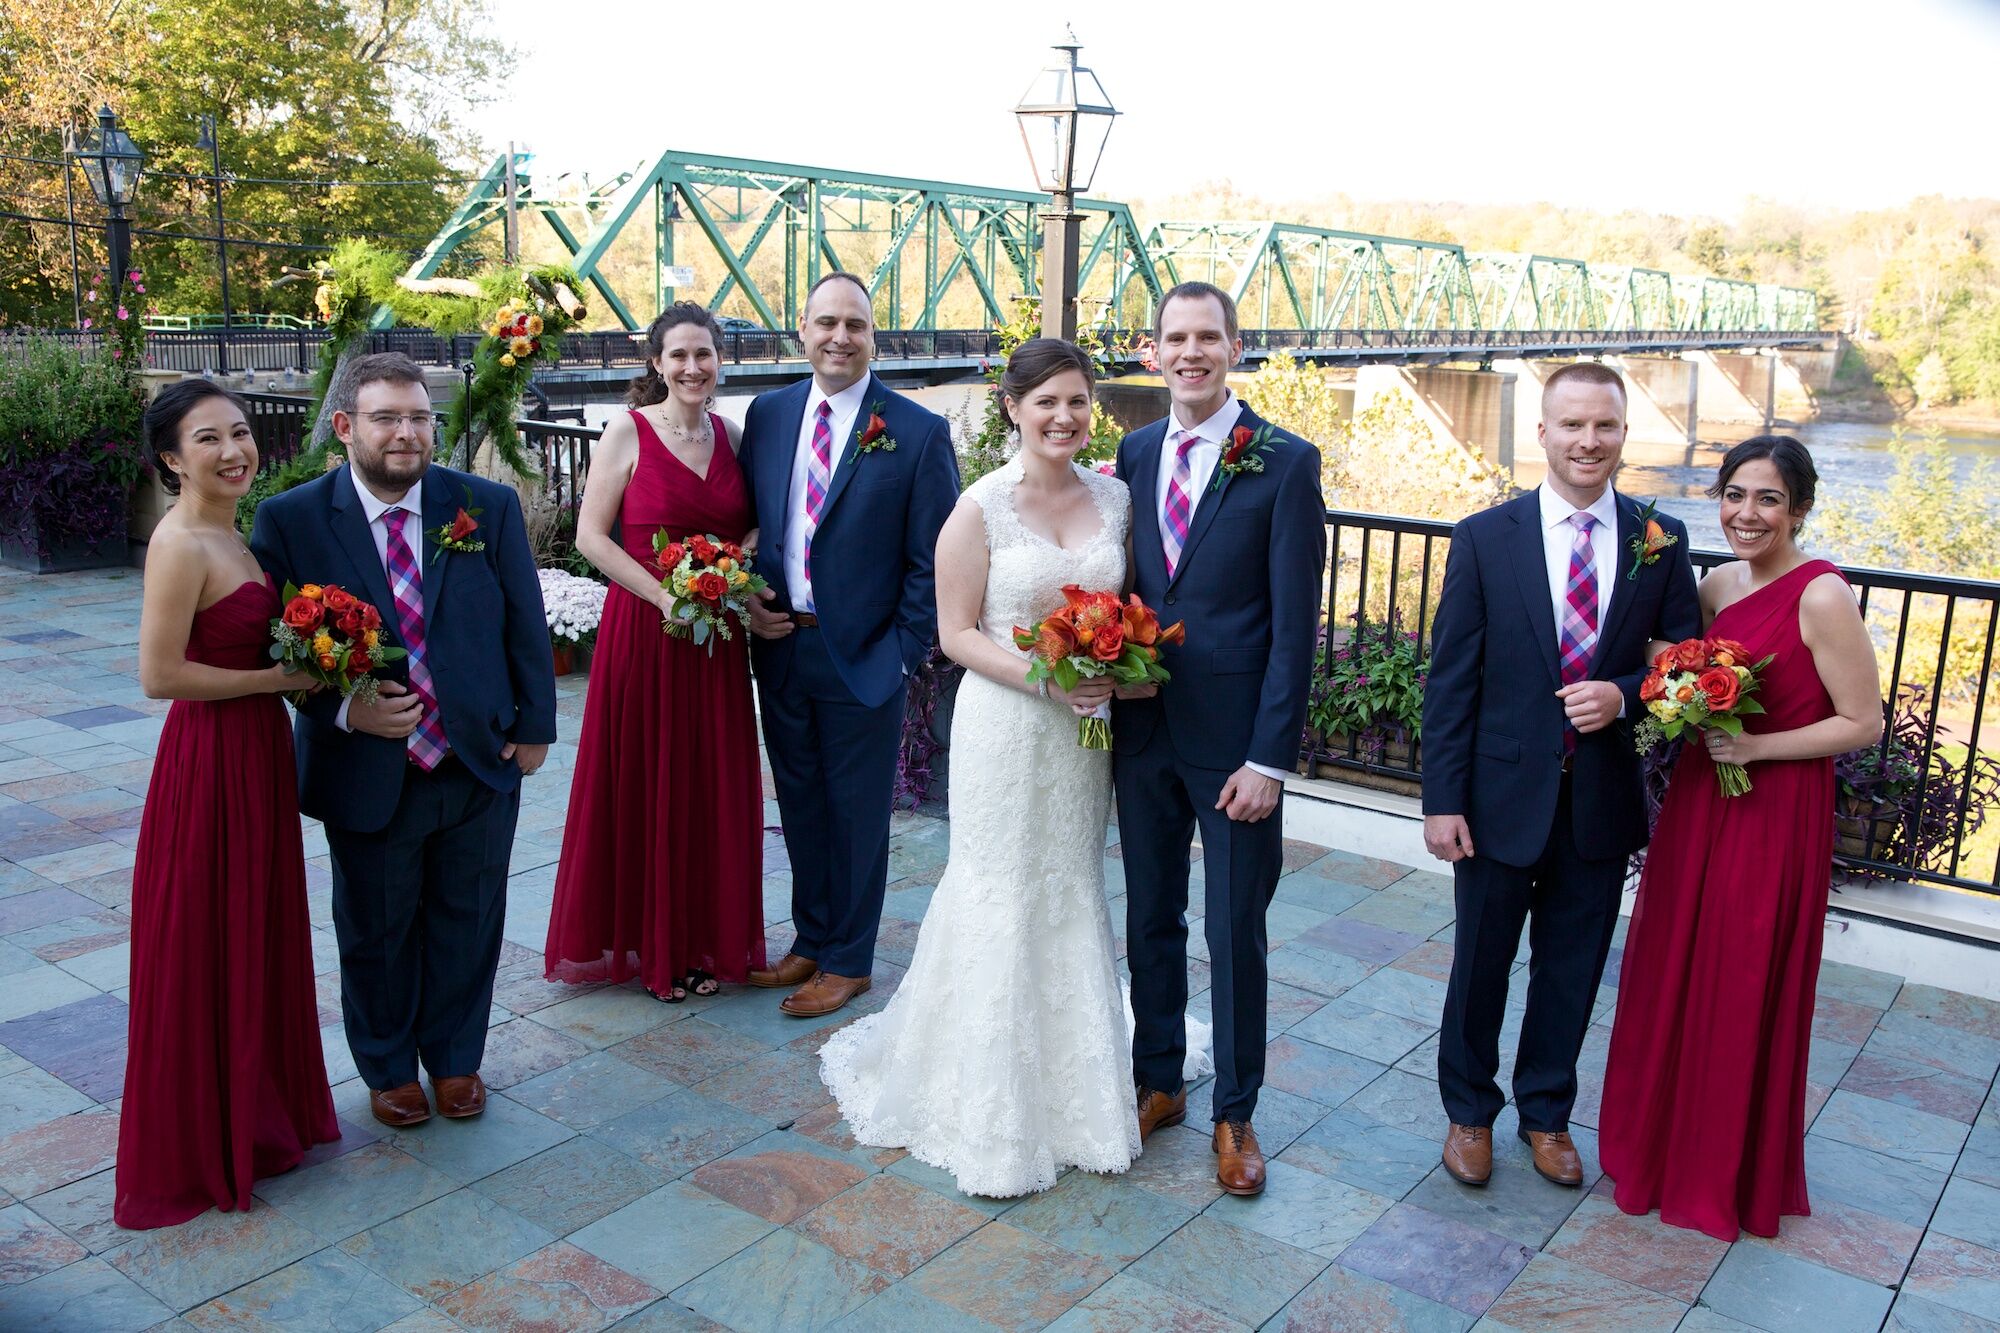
(1621, 587)
(1145, 490)
(1531, 572)
(848, 459)
(1211, 496)
(439, 509)
(777, 461)
(350, 529)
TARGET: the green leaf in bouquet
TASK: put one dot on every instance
(291, 590)
(1065, 674)
(1729, 726)
(1747, 705)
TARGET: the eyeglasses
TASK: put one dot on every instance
(420, 423)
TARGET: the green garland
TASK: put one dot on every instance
(525, 330)
(353, 282)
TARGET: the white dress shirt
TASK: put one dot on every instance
(847, 407)
(1559, 535)
(1202, 458)
(374, 507)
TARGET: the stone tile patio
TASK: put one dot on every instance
(653, 1167)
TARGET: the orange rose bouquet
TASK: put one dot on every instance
(1094, 634)
(709, 580)
(332, 637)
(1701, 683)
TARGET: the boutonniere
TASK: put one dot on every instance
(457, 534)
(873, 433)
(1652, 539)
(1244, 453)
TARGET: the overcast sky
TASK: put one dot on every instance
(1690, 106)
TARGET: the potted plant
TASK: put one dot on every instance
(1367, 705)
(70, 455)
(1889, 805)
(574, 606)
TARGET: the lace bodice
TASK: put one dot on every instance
(1026, 571)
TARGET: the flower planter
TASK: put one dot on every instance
(1862, 830)
(1321, 756)
(104, 548)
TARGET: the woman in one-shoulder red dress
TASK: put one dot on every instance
(1704, 1093)
(662, 862)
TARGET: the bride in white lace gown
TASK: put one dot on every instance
(1005, 1054)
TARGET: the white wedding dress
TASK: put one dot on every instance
(1006, 1053)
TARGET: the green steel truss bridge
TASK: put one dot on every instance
(749, 238)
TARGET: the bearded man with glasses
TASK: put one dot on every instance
(421, 788)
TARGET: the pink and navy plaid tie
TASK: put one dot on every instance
(406, 583)
(1180, 503)
(819, 477)
(1578, 637)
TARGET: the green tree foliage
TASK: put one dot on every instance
(313, 90)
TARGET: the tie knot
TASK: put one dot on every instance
(825, 409)
(1188, 441)
(1583, 522)
(393, 520)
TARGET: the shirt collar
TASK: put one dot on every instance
(1216, 429)
(1556, 510)
(846, 403)
(374, 506)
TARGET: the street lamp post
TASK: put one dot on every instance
(213, 144)
(112, 164)
(1065, 119)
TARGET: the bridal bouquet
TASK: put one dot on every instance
(1701, 683)
(709, 580)
(330, 636)
(1094, 634)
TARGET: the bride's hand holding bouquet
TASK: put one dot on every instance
(1093, 637)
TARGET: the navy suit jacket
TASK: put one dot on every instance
(1247, 588)
(486, 637)
(876, 543)
(1493, 727)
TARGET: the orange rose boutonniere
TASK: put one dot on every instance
(457, 534)
(873, 433)
(1652, 539)
(1243, 453)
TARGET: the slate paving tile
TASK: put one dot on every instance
(1955, 1273)
(1643, 1251)
(1980, 1158)
(210, 1254)
(782, 1283)
(571, 1185)
(1126, 1303)
(433, 1250)
(1348, 1146)
(1770, 1290)
(1843, 1021)
(1322, 971)
(1304, 888)
(1343, 1301)
(327, 1290)
(560, 1289)
(1371, 872)
(30, 1096)
(1178, 1163)
(778, 1086)
(1237, 1272)
(1914, 1314)
(88, 1294)
(1348, 1024)
(940, 1181)
(30, 1247)
(1876, 1181)
(1303, 1209)
(1553, 1293)
(1010, 1278)
(1517, 1203)
(517, 1051)
(1968, 1013)
(1847, 1240)
(1405, 1102)
(826, 1126)
(1969, 1211)
(672, 1235)
(590, 1090)
(666, 1316)
(678, 1133)
(602, 1018)
(1360, 940)
(904, 1307)
(523, 990)
(1896, 1131)
(81, 1043)
(58, 1152)
(1101, 1216)
(1316, 1073)
(780, 1176)
(1438, 1258)
(354, 1191)
(1281, 1116)
(892, 1225)
(1904, 1034)
(39, 907)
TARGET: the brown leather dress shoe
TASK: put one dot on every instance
(1160, 1110)
(399, 1107)
(791, 970)
(460, 1097)
(822, 995)
(1239, 1166)
(1555, 1156)
(1468, 1154)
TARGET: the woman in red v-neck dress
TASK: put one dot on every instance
(662, 861)
(1704, 1094)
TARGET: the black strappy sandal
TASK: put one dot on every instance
(701, 983)
(676, 996)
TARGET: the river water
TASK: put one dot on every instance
(1853, 458)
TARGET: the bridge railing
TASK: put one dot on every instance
(1935, 640)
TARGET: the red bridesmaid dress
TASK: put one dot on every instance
(1704, 1094)
(663, 853)
(224, 1077)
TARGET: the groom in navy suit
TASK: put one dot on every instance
(419, 790)
(1531, 786)
(1229, 538)
(850, 484)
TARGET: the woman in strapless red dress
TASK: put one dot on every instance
(224, 1078)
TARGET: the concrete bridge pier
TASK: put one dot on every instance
(1477, 408)
(1739, 392)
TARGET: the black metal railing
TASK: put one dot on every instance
(1935, 639)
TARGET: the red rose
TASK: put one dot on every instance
(732, 550)
(1720, 685)
(875, 429)
(1728, 652)
(462, 527)
(303, 614)
(710, 587)
(703, 548)
(349, 623)
(339, 599)
(359, 663)
(1653, 687)
(1690, 654)
(1108, 644)
(370, 617)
